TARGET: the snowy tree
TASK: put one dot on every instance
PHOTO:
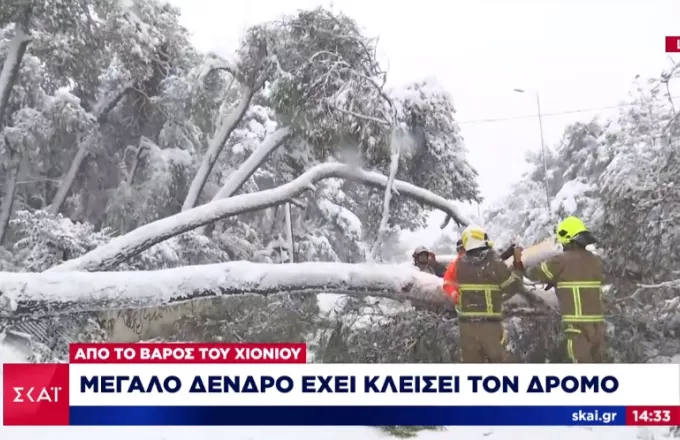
(130, 151)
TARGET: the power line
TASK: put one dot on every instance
(565, 112)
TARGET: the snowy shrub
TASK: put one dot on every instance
(48, 240)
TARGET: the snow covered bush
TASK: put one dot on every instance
(46, 240)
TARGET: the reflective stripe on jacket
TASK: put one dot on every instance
(577, 274)
(482, 279)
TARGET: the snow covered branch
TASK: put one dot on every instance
(236, 179)
(395, 146)
(121, 248)
(215, 147)
(673, 284)
(215, 62)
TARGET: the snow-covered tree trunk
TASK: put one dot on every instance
(53, 292)
(122, 248)
(17, 48)
(13, 171)
(67, 180)
(102, 109)
(289, 234)
(215, 146)
(394, 167)
(236, 179)
(139, 151)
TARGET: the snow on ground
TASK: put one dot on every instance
(10, 354)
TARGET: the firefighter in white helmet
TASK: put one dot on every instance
(482, 279)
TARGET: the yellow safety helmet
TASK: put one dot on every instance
(569, 228)
(474, 237)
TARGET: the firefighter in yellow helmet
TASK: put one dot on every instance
(578, 275)
(482, 279)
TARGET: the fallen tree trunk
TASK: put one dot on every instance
(50, 293)
(108, 256)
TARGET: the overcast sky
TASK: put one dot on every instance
(578, 54)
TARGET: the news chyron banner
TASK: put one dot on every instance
(272, 384)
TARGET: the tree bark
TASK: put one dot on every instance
(50, 293)
(289, 233)
(142, 145)
(108, 256)
(215, 146)
(67, 179)
(17, 156)
(395, 153)
(15, 54)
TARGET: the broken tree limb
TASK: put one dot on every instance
(52, 293)
(119, 249)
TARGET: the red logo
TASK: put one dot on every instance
(672, 44)
(35, 395)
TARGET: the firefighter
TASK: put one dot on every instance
(577, 275)
(482, 280)
(421, 259)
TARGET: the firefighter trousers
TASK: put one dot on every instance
(483, 342)
(584, 342)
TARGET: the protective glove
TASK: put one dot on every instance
(517, 259)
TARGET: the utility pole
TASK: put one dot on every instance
(543, 152)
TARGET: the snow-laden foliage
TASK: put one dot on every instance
(47, 240)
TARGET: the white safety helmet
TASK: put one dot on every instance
(474, 237)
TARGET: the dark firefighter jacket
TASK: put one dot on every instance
(577, 274)
(439, 269)
(482, 280)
